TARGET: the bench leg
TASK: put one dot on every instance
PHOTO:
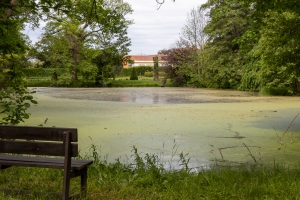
(66, 186)
(4, 167)
(84, 182)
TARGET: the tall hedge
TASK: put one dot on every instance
(44, 72)
(48, 72)
(139, 70)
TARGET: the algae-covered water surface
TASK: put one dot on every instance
(208, 125)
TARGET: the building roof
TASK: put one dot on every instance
(145, 57)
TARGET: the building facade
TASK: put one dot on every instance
(143, 60)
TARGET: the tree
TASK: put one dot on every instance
(51, 51)
(175, 58)
(14, 96)
(108, 61)
(275, 58)
(229, 21)
(155, 69)
(278, 51)
(17, 13)
(192, 35)
(97, 24)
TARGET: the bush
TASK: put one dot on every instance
(139, 70)
(276, 91)
(148, 74)
(54, 76)
(134, 75)
(161, 73)
(44, 72)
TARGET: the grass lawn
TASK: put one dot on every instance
(142, 82)
(117, 82)
(146, 178)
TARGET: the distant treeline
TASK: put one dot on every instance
(48, 72)
(247, 45)
(44, 72)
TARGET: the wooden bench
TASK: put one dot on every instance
(44, 141)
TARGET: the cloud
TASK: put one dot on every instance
(153, 29)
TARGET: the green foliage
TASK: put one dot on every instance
(250, 77)
(66, 42)
(278, 50)
(14, 16)
(107, 62)
(84, 36)
(10, 66)
(88, 71)
(41, 83)
(253, 46)
(275, 91)
(140, 70)
(15, 99)
(51, 51)
(12, 41)
(229, 21)
(43, 72)
(65, 80)
(134, 75)
(180, 65)
(54, 76)
(148, 74)
(144, 176)
(155, 69)
(14, 104)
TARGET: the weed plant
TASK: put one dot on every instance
(146, 177)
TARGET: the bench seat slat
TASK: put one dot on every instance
(42, 162)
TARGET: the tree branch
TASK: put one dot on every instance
(161, 2)
(90, 33)
(10, 10)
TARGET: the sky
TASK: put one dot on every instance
(153, 29)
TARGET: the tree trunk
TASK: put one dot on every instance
(9, 12)
(74, 51)
(155, 69)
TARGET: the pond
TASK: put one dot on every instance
(209, 126)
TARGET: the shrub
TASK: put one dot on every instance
(276, 91)
(88, 71)
(141, 70)
(54, 76)
(134, 75)
(161, 73)
(148, 74)
(43, 72)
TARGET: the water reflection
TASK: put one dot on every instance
(149, 99)
(151, 95)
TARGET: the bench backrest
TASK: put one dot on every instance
(38, 140)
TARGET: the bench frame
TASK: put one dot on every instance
(44, 141)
